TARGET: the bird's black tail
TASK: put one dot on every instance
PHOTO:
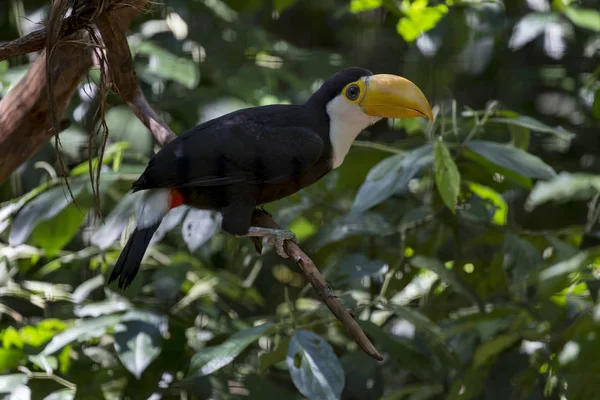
(128, 264)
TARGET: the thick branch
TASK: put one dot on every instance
(25, 117)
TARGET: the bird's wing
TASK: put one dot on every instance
(233, 152)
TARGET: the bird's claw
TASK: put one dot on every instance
(278, 239)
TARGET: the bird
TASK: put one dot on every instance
(245, 159)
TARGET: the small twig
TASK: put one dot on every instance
(479, 123)
(44, 375)
(377, 146)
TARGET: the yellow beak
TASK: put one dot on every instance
(391, 96)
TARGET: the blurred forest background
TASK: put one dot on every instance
(468, 249)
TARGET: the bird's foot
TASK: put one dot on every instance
(273, 237)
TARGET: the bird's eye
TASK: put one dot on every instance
(352, 92)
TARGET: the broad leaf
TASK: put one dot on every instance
(166, 65)
(391, 176)
(354, 267)
(54, 234)
(488, 351)
(526, 122)
(170, 221)
(368, 224)
(210, 359)
(513, 159)
(584, 18)
(595, 105)
(530, 27)
(138, 342)
(447, 177)
(10, 381)
(43, 207)
(314, 367)
(83, 291)
(357, 6)
(520, 136)
(521, 258)
(198, 226)
(116, 221)
(562, 188)
(277, 355)
(447, 275)
(63, 394)
(554, 278)
(90, 328)
(419, 18)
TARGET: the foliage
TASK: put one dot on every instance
(467, 249)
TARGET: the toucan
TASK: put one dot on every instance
(242, 160)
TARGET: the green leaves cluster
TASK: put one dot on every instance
(466, 249)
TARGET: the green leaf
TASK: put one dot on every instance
(10, 359)
(90, 328)
(56, 233)
(530, 27)
(63, 394)
(124, 126)
(521, 258)
(392, 175)
(210, 359)
(513, 159)
(367, 224)
(523, 121)
(86, 288)
(113, 152)
(138, 342)
(447, 275)
(491, 349)
(281, 5)
(198, 226)
(277, 355)
(314, 367)
(96, 309)
(563, 188)
(354, 267)
(554, 278)
(447, 177)
(520, 136)
(43, 207)
(357, 6)
(596, 105)
(10, 381)
(584, 18)
(165, 65)
(419, 18)
(116, 221)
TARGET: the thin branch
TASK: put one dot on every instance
(321, 287)
(122, 74)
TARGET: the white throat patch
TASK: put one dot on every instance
(346, 121)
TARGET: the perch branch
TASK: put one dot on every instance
(124, 79)
(322, 288)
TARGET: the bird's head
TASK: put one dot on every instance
(358, 90)
(354, 98)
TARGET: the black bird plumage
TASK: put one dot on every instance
(241, 160)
